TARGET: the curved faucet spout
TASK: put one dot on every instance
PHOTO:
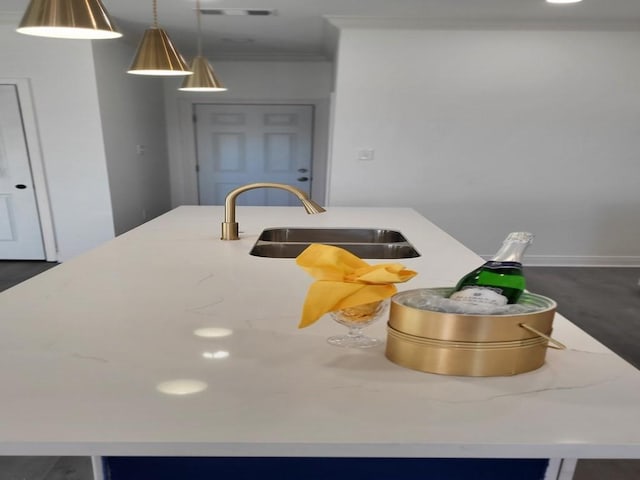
(230, 226)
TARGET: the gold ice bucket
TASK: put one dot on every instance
(470, 345)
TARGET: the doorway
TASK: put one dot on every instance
(238, 144)
(20, 232)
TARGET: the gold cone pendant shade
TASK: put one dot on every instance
(203, 79)
(157, 56)
(68, 19)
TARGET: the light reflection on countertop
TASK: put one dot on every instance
(217, 355)
(182, 386)
(213, 332)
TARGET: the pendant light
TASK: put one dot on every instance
(86, 19)
(156, 54)
(204, 78)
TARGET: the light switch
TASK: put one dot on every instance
(365, 154)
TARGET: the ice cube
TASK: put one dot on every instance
(436, 302)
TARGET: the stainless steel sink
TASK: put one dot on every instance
(329, 235)
(372, 243)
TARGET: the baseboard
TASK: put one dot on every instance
(579, 261)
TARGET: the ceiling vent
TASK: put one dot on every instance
(253, 12)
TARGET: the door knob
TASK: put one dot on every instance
(21, 186)
(302, 170)
(303, 179)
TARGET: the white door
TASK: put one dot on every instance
(240, 144)
(20, 234)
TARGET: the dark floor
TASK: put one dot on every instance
(605, 302)
(602, 301)
(14, 272)
(45, 468)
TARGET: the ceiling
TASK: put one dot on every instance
(299, 29)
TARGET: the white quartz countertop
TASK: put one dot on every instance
(84, 348)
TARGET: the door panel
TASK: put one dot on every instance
(20, 234)
(240, 144)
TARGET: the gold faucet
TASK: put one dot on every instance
(230, 226)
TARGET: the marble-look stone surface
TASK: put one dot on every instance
(86, 346)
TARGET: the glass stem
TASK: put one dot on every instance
(355, 332)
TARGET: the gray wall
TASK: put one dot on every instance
(133, 123)
(65, 106)
(486, 132)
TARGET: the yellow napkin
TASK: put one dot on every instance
(343, 280)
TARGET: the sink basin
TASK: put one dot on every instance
(329, 235)
(374, 243)
(362, 250)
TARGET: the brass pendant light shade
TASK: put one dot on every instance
(203, 79)
(157, 56)
(68, 19)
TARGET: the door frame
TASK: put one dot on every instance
(36, 164)
(182, 147)
(309, 113)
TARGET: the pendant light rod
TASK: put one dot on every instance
(199, 23)
(155, 14)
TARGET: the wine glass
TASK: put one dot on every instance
(355, 319)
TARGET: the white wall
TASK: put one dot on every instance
(487, 132)
(66, 106)
(248, 82)
(132, 112)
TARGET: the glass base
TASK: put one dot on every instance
(353, 341)
(355, 319)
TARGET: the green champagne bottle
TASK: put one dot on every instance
(500, 280)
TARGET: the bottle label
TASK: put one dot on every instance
(480, 296)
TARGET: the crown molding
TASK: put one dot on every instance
(267, 57)
(348, 22)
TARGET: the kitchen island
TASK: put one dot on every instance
(98, 356)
